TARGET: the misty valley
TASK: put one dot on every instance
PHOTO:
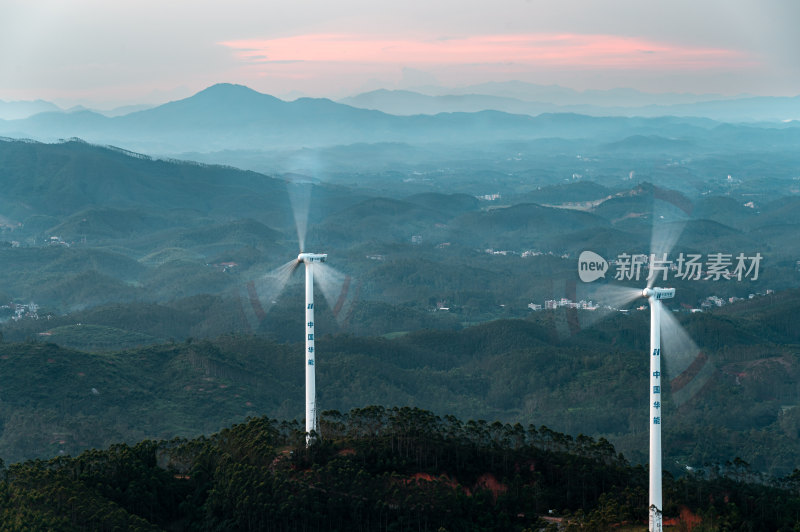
(479, 335)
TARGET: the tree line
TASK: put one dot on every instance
(381, 469)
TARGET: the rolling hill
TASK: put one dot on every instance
(65, 178)
(523, 370)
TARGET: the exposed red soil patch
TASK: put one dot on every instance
(427, 477)
(685, 521)
(488, 481)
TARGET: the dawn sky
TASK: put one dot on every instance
(103, 53)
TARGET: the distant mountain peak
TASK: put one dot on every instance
(228, 88)
(230, 92)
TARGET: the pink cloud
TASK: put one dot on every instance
(534, 50)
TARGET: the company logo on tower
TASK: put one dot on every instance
(591, 266)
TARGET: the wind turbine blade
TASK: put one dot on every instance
(300, 197)
(671, 211)
(687, 367)
(335, 287)
(598, 302)
(585, 305)
(614, 296)
(258, 295)
(663, 239)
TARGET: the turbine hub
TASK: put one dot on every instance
(658, 293)
(312, 257)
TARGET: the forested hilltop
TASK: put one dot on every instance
(379, 469)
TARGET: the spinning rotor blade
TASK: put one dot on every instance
(257, 296)
(300, 196)
(687, 367)
(671, 211)
(590, 304)
(336, 288)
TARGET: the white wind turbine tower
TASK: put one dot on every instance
(654, 297)
(680, 352)
(334, 287)
(300, 196)
(312, 423)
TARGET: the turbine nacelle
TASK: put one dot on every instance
(658, 293)
(312, 257)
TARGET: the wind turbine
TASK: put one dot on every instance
(684, 360)
(257, 296)
(664, 236)
(328, 279)
(685, 363)
(654, 297)
(312, 422)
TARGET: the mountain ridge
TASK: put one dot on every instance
(226, 116)
(737, 109)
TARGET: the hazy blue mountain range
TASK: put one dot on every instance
(17, 110)
(23, 109)
(231, 117)
(401, 102)
(744, 109)
(553, 97)
(558, 95)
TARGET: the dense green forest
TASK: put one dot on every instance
(560, 368)
(380, 469)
